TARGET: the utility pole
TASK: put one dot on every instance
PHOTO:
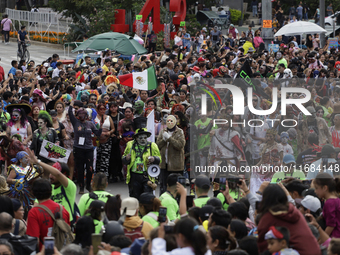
(322, 22)
(242, 14)
(267, 32)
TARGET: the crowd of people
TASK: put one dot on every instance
(172, 207)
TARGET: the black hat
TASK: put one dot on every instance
(98, 204)
(202, 181)
(139, 122)
(205, 212)
(113, 228)
(78, 103)
(146, 198)
(27, 108)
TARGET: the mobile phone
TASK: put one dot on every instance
(222, 183)
(169, 229)
(190, 201)
(96, 241)
(162, 214)
(49, 245)
(181, 180)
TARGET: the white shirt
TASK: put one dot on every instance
(159, 248)
(56, 72)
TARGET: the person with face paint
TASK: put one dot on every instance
(18, 124)
(83, 147)
(280, 60)
(287, 149)
(19, 174)
(138, 155)
(45, 131)
(171, 143)
(313, 124)
(38, 99)
(162, 125)
(139, 107)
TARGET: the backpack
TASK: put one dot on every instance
(134, 233)
(61, 231)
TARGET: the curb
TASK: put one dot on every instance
(44, 44)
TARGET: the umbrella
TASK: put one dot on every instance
(118, 42)
(299, 28)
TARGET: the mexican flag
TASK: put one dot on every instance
(145, 80)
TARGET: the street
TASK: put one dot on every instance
(38, 54)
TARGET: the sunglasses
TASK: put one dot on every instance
(255, 100)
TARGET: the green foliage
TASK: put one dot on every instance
(78, 30)
(192, 25)
(235, 16)
(160, 41)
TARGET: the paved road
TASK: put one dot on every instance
(38, 54)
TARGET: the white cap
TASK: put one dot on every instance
(196, 75)
(311, 203)
(131, 204)
(45, 64)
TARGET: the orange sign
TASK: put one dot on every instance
(267, 24)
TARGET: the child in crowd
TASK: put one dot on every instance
(278, 241)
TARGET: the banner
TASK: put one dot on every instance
(333, 43)
(54, 152)
(151, 126)
(243, 80)
(274, 47)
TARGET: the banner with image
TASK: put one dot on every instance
(54, 152)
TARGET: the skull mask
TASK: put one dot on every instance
(142, 139)
(287, 74)
(171, 122)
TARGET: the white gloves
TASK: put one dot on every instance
(166, 136)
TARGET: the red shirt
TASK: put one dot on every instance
(40, 223)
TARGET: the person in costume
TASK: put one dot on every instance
(8, 146)
(138, 155)
(44, 132)
(20, 174)
(18, 124)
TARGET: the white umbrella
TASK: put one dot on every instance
(299, 28)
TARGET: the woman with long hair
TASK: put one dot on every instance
(104, 148)
(60, 108)
(34, 114)
(274, 210)
(59, 128)
(112, 207)
(42, 71)
(18, 124)
(68, 143)
(115, 169)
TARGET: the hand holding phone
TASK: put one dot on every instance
(49, 245)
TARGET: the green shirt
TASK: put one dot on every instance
(70, 191)
(279, 176)
(201, 201)
(235, 195)
(98, 226)
(85, 200)
(5, 117)
(153, 220)
(203, 140)
(172, 206)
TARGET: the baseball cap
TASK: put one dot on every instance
(99, 70)
(311, 203)
(327, 150)
(98, 204)
(202, 181)
(200, 59)
(205, 29)
(49, 69)
(288, 158)
(205, 212)
(231, 25)
(146, 198)
(251, 49)
(131, 204)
